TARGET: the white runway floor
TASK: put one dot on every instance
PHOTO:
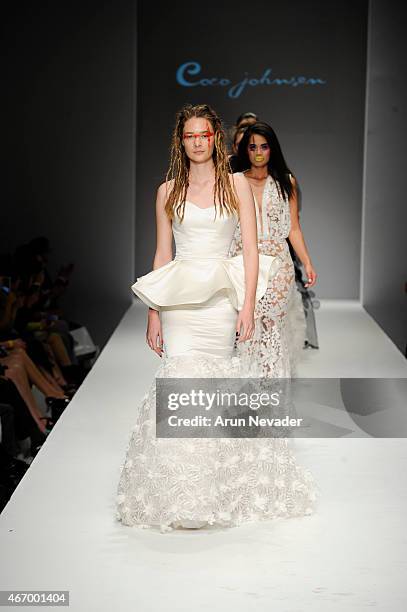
(58, 531)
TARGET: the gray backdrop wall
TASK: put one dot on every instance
(384, 254)
(68, 75)
(319, 48)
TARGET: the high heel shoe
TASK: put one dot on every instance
(57, 406)
(69, 390)
(49, 424)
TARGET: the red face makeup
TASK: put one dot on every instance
(206, 136)
(208, 131)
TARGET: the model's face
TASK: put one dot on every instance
(198, 139)
(258, 151)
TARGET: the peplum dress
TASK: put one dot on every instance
(166, 483)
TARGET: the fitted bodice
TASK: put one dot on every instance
(201, 234)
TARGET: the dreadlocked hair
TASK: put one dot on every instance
(178, 170)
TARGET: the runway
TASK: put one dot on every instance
(58, 531)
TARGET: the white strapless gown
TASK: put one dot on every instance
(190, 482)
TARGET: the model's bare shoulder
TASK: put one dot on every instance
(165, 188)
(163, 192)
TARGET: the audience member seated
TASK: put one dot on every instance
(36, 350)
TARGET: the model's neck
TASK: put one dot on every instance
(202, 172)
(258, 173)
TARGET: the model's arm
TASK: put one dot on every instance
(163, 251)
(250, 251)
(297, 238)
(163, 255)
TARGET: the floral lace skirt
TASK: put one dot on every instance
(279, 323)
(168, 482)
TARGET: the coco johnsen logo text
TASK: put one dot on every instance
(187, 76)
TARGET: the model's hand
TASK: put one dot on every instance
(245, 323)
(154, 335)
(311, 275)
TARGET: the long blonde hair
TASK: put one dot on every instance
(180, 163)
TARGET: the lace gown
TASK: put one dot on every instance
(186, 482)
(280, 326)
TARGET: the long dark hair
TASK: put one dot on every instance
(277, 166)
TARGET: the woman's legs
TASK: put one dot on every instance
(51, 379)
(56, 370)
(46, 384)
(59, 349)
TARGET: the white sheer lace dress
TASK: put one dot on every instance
(280, 323)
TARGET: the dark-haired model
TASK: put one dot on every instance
(275, 193)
